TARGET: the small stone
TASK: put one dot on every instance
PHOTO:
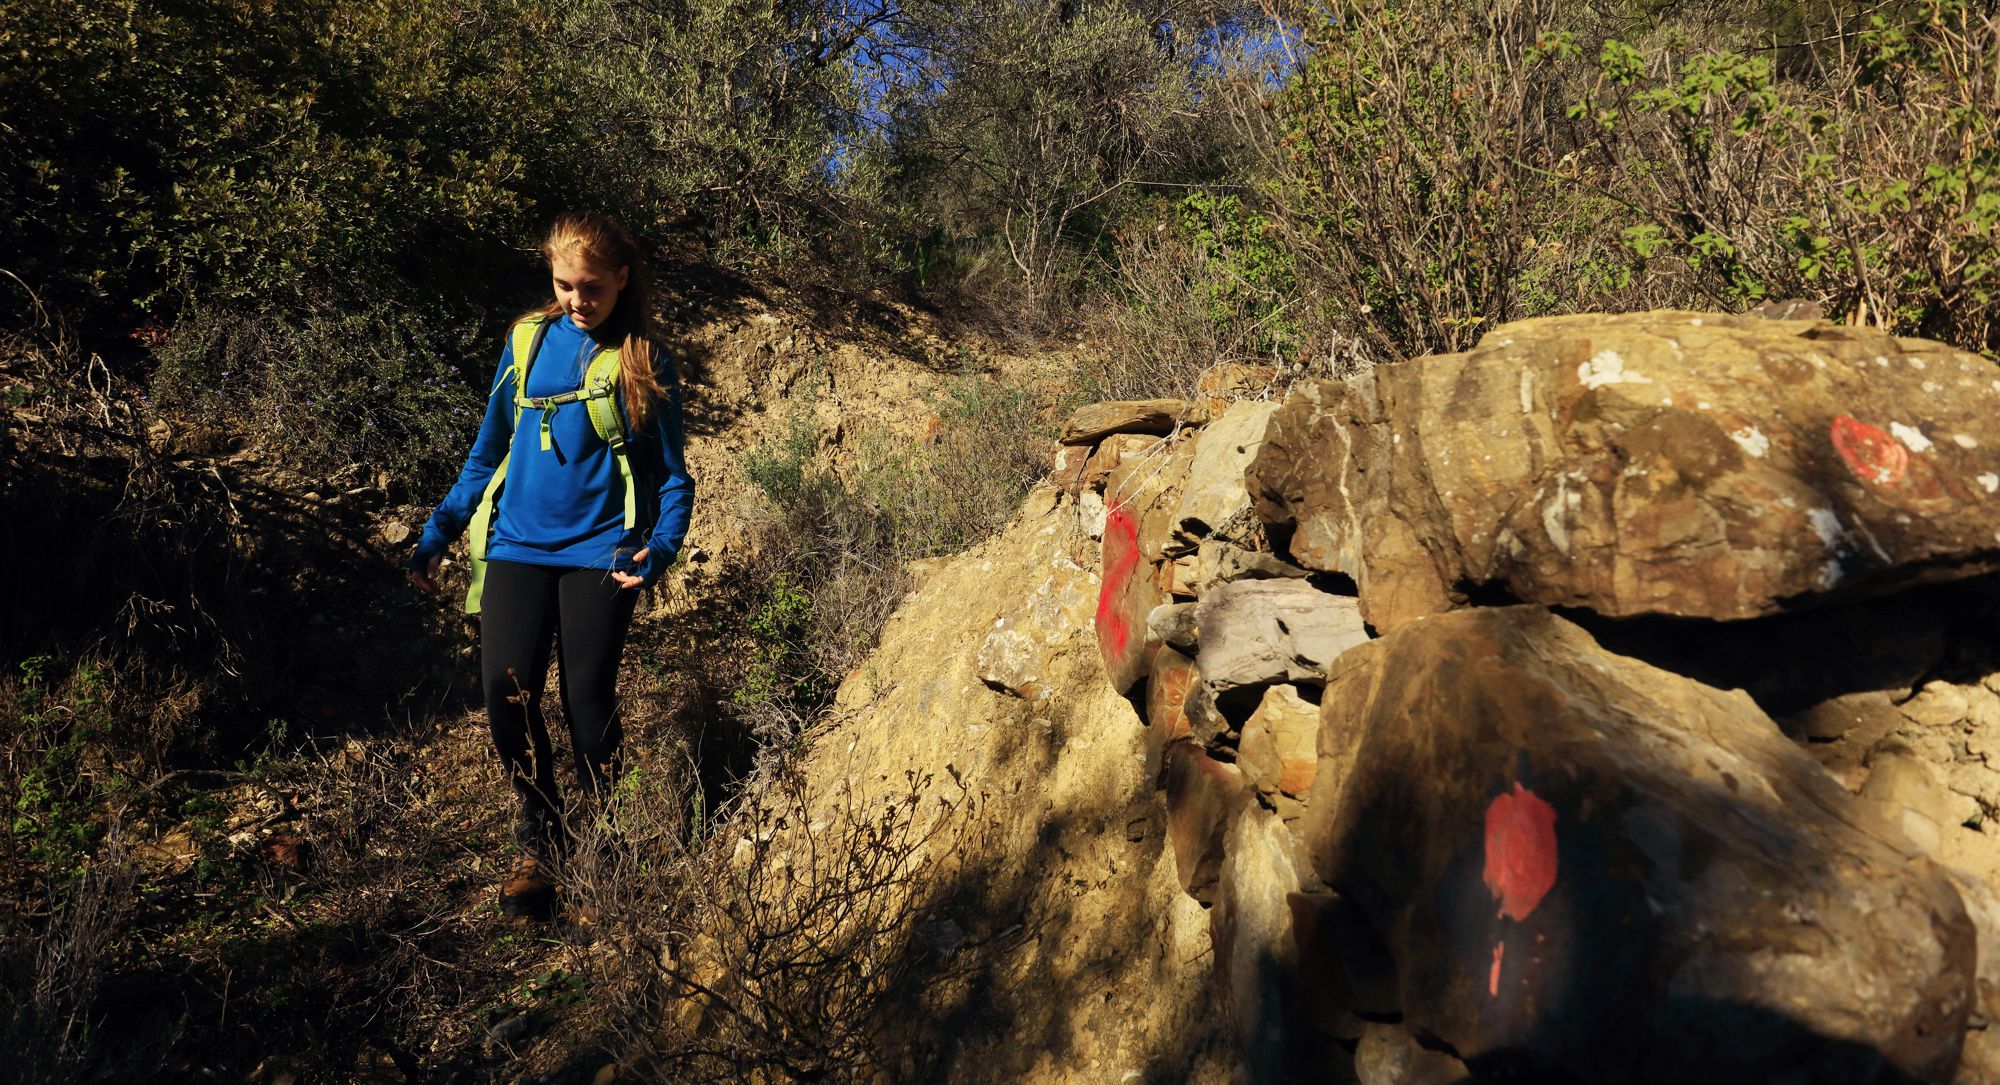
(1279, 748)
(1978, 782)
(395, 532)
(1896, 776)
(1860, 717)
(1222, 561)
(1214, 499)
(510, 1031)
(1258, 631)
(1251, 925)
(1204, 797)
(1389, 1055)
(1174, 623)
(1095, 421)
(1066, 470)
(1938, 704)
(1167, 689)
(1115, 450)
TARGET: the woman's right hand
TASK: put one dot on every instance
(424, 575)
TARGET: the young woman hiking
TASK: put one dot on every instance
(578, 496)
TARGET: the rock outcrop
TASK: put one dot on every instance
(1694, 826)
(1655, 463)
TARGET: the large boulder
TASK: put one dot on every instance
(1585, 868)
(1651, 463)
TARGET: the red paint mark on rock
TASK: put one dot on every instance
(1493, 977)
(1121, 557)
(1520, 851)
(1871, 453)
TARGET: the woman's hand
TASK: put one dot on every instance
(425, 576)
(629, 580)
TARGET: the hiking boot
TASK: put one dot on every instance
(538, 830)
(528, 892)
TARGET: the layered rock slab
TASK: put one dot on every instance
(1689, 464)
(1585, 867)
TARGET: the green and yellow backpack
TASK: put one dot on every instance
(599, 396)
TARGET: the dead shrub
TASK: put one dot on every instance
(773, 944)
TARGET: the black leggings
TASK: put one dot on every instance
(585, 613)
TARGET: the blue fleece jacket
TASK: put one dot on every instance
(566, 506)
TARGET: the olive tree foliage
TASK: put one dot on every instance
(1020, 129)
(321, 212)
(159, 154)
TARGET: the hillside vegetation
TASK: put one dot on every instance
(257, 254)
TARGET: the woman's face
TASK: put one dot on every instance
(586, 289)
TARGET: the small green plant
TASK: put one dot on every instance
(1251, 276)
(57, 803)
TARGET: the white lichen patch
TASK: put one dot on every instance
(1527, 391)
(1695, 323)
(1826, 524)
(1703, 405)
(1752, 442)
(1912, 437)
(1881, 361)
(1829, 574)
(1964, 440)
(1930, 387)
(1555, 515)
(1916, 361)
(1606, 367)
(1818, 360)
(1788, 502)
(1990, 482)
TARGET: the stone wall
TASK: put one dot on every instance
(1611, 702)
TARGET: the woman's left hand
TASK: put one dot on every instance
(626, 580)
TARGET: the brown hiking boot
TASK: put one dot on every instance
(528, 892)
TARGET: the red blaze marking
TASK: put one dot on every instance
(1520, 851)
(1873, 455)
(1493, 978)
(1121, 556)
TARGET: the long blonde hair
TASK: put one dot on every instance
(599, 238)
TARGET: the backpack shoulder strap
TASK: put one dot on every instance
(600, 398)
(523, 341)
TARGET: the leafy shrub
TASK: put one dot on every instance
(1401, 165)
(327, 388)
(1210, 283)
(1872, 184)
(54, 802)
(837, 543)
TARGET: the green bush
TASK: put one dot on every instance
(836, 546)
(328, 388)
(54, 810)
(1210, 281)
(1871, 185)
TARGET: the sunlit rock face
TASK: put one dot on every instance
(1617, 701)
(1676, 463)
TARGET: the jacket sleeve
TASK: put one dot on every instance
(496, 433)
(676, 492)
